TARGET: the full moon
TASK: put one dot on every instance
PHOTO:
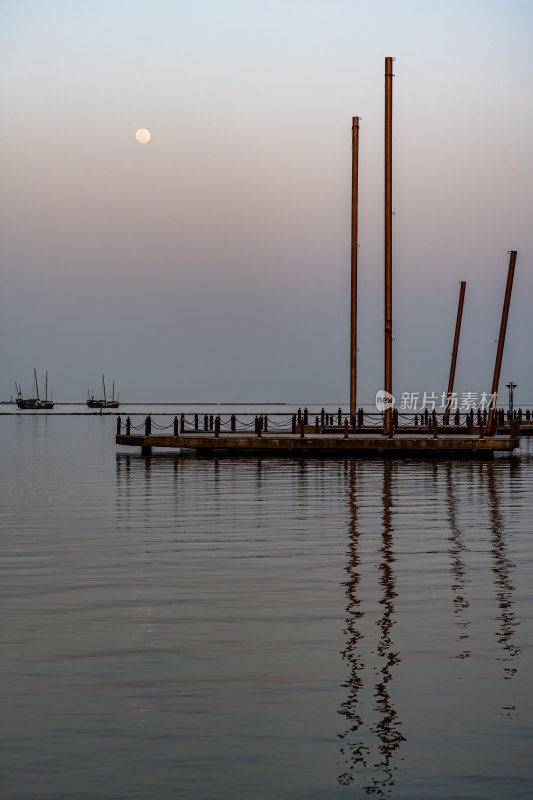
(143, 136)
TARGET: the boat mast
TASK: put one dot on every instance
(36, 384)
(46, 388)
(103, 384)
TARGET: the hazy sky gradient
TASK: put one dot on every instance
(213, 262)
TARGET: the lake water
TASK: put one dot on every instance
(197, 628)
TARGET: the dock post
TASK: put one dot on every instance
(388, 238)
(322, 417)
(293, 428)
(146, 449)
(206, 422)
(217, 427)
(176, 426)
(435, 426)
(302, 430)
(346, 428)
(232, 423)
(501, 340)
(196, 422)
(353, 298)
(128, 426)
(317, 428)
(481, 434)
(266, 423)
(182, 423)
(119, 426)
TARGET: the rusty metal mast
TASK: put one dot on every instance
(353, 317)
(455, 348)
(501, 340)
(388, 237)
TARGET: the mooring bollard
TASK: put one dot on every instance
(360, 418)
(196, 422)
(322, 416)
(266, 423)
(416, 420)
(147, 426)
(435, 426)
(299, 416)
(259, 426)
(206, 422)
(528, 415)
(339, 417)
(211, 422)
(317, 428)
(302, 430)
(119, 426)
(128, 426)
(217, 427)
(176, 426)
(306, 417)
(182, 423)
(233, 423)
(293, 430)
(346, 428)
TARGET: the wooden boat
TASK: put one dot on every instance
(105, 403)
(34, 403)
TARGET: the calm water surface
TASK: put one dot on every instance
(184, 627)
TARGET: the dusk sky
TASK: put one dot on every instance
(213, 262)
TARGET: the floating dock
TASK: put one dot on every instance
(325, 444)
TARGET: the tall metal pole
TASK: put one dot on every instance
(353, 324)
(455, 348)
(501, 340)
(388, 237)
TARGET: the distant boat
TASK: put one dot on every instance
(105, 403)
(34, 403)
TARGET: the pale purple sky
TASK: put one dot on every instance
(212, 264)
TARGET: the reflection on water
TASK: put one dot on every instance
(373, 737)
(458, 550)
(502, 568)
(370, 760)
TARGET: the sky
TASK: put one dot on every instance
(213, 263)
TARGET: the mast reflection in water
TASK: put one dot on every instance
(368, 755)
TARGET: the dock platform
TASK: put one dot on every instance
(331, 444)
